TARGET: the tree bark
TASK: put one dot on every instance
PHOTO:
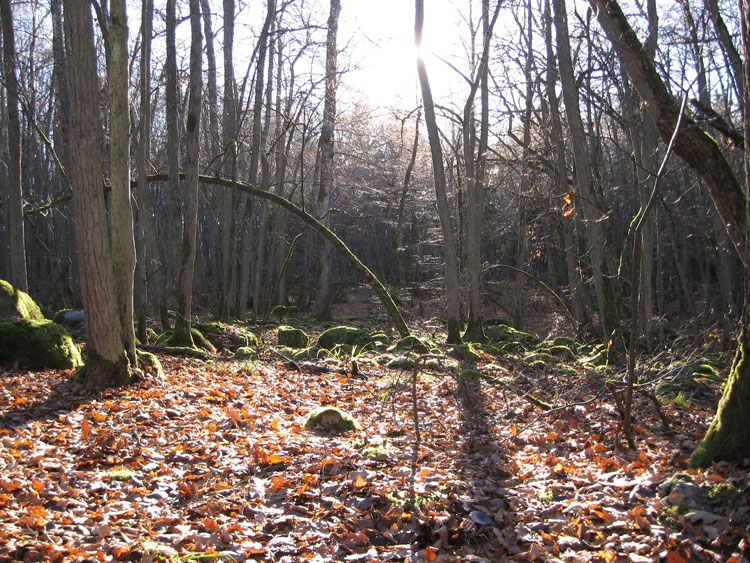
(123, 237)
(107, 363)
(323, 296)
(182, 324)
(228, 227)
(441, 191)
(15, 185)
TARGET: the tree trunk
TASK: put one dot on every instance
(228, 227)
(728, 436)
(15, 185)
(123, 238)
(106, 359)
(596, 239)
(174, 210)
(323, 296)
(567, 218)
(255, 151)
(441, 192)
(182, 324)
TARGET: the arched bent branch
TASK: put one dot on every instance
(338, 244)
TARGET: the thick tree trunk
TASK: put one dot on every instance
(182, 324)
(123, 237)
(441, 191)
(323, 296)
(106, 360)
(15, 201)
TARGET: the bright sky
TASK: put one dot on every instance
(383, 48)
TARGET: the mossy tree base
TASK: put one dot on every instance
(99, 374)
(728, 436)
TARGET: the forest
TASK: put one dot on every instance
(325, 280)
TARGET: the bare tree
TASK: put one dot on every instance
(17, 240)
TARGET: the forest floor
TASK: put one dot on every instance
(214, 462)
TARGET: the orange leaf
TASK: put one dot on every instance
(714, 478)
(85, 429)
(99, 417)
(430, 554)
(675, 557)
(360, 482)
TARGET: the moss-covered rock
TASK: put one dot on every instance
(707, 371)
(331, 419)
(151, 362)
(17, 304)
(292, 337)
(559, 351)
(400, 362)
(500, 333)
(169, 338)
(414, 344)
(38, 344)
(246, 353)
(283, 311)
(540, 356)
(345, 335)
(565, 341)
(465, 352)
(223, 335)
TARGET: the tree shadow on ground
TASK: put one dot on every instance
(482, 470)
(63, 397)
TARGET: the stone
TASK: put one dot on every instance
(38, 344)
(344, 335)
(331, 419)
(17, 304)
(292, 337)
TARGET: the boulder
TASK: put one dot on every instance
(292, 337)
(73, 320)
(331, 419)
(37, 344)
(17, 304)
(346, 335)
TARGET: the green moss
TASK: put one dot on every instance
(705, 370)
(469, 374)
(400, 362)
(561, 351)
(292, 337)
(568, 370)
(15, 303)
(38, 344)
(505, 333)
(246, 353)
(121, 474)
(197, 340)
(414, 344)
(724, 495)
(565, 341)
(331, 418)
(465, 352)
(281, 311)
(151, 362)
(346, 335)
(671, 517)
(540, 356)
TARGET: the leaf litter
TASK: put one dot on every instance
(213, 462)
